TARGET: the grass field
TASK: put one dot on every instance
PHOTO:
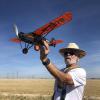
(38, 89)
(92, 88)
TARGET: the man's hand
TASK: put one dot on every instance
(44, 50)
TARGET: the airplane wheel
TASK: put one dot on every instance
(25, 50)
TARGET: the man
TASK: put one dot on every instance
(70, 81)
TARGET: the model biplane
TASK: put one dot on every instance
(36, 38)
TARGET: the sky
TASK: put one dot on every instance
(84, 29)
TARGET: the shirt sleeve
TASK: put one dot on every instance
(79, 76)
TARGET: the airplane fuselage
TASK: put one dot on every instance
(30, 39)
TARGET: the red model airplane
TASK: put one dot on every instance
(36, 38)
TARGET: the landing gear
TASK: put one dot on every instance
(26, 48)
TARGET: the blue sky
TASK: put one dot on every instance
(84, 29)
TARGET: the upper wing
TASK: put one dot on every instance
(57, 22)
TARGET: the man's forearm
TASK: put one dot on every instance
(53, 70)
(57, 73)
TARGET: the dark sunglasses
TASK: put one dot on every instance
(70, 53)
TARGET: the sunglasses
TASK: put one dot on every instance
(70, 53)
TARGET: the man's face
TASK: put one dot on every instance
(70, 58)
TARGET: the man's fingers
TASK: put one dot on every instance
(37, 47)
(44, 50)
(46, 45)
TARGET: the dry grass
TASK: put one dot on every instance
(20, 86)
(38, 89)
(92, 88)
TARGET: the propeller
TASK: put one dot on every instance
(16, 30)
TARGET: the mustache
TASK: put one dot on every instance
(67, 58)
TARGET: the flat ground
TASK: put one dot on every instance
(92, 88)
(41, 87)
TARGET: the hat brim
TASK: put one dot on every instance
(80, 53)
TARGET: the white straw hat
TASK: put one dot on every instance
(73, 47)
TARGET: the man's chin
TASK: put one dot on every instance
(68, 62)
